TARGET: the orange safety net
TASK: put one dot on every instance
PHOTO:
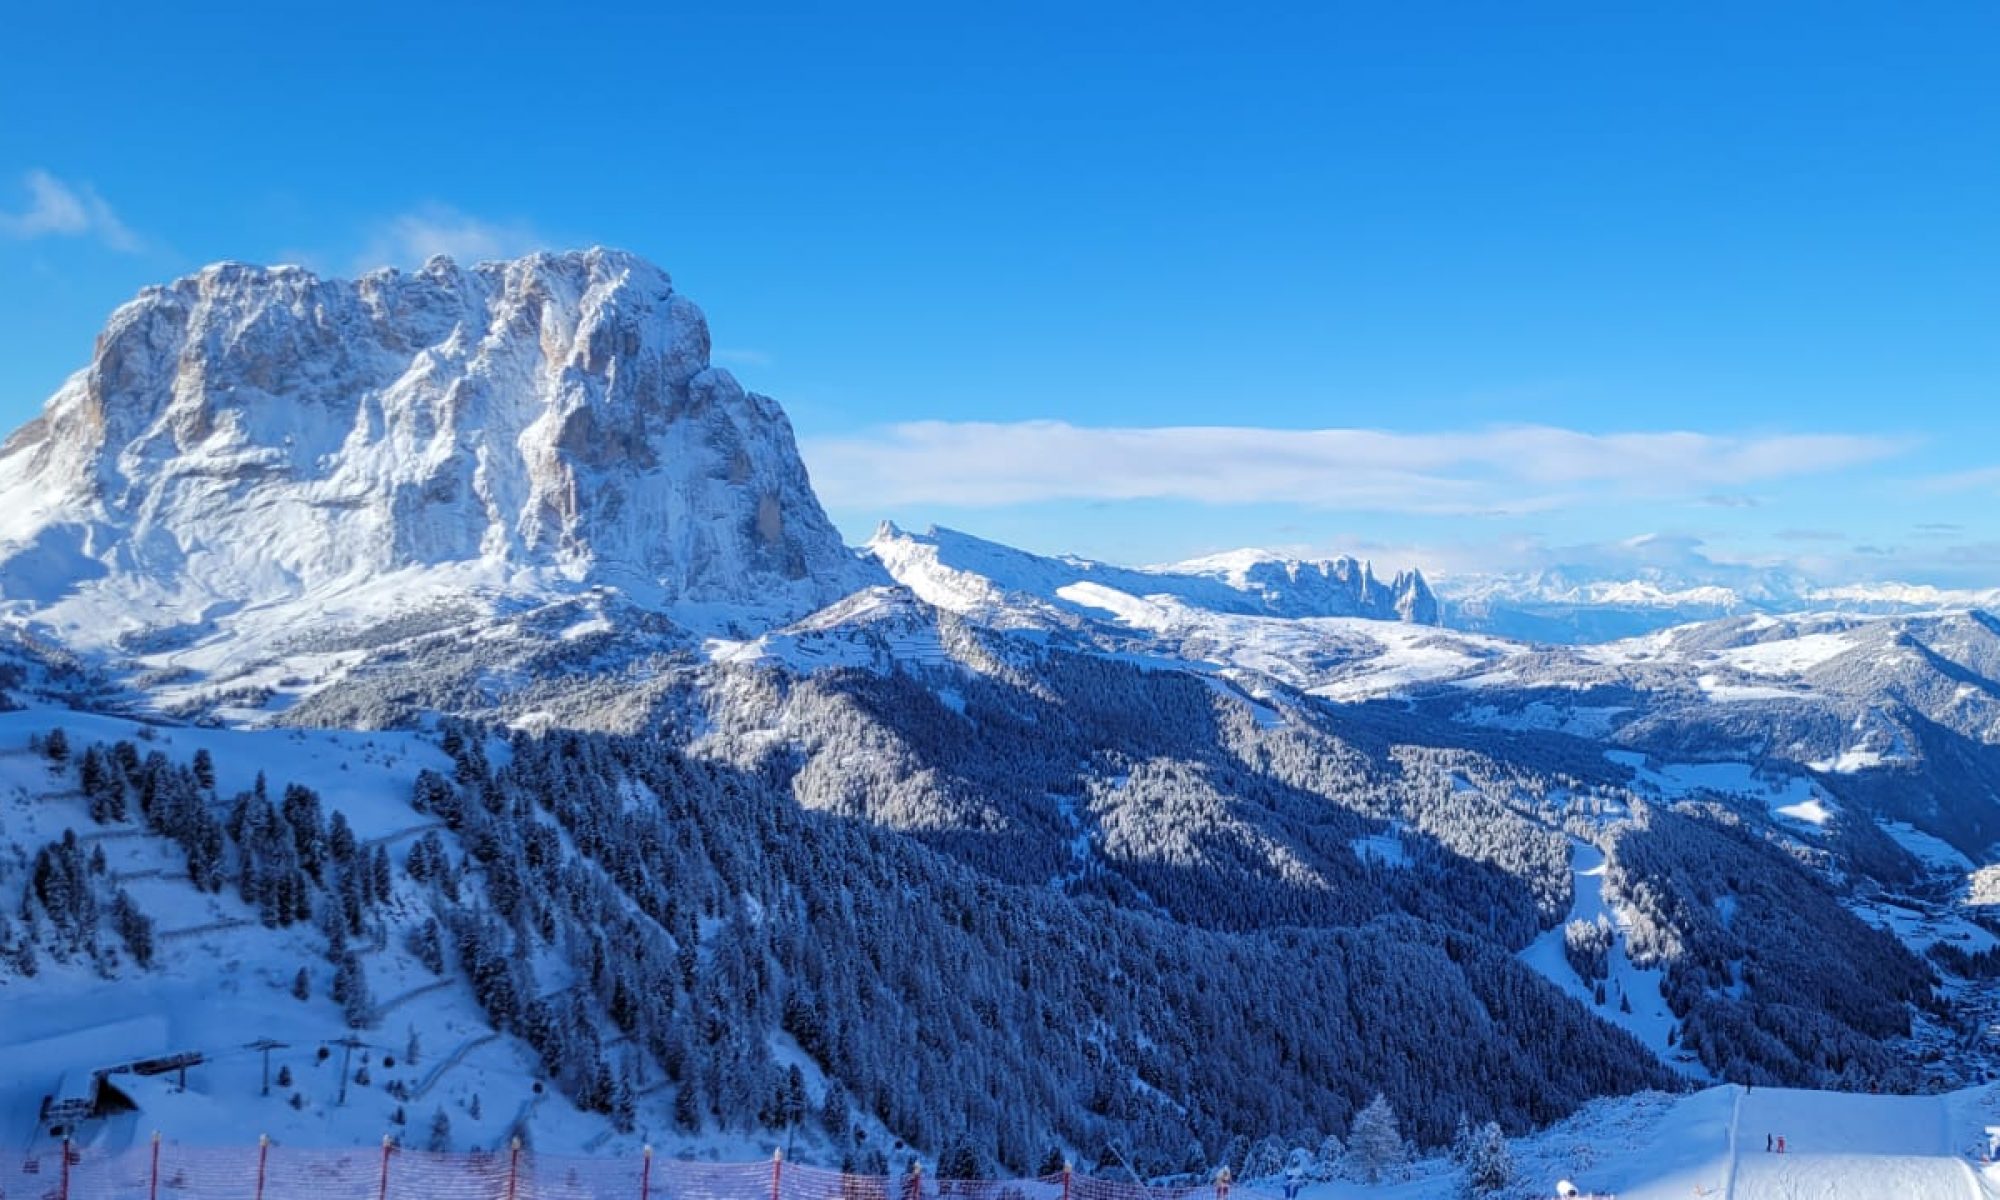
(168, 1171)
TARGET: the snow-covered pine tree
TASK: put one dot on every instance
(1461, 1140)
(1265, 1160)
(134, 928)
(1327, 1159)
(1376, 1142)
(834, 1114)
(1489, 1166)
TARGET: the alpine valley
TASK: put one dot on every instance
(459, 660)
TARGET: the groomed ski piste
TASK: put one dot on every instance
(1710, 1144)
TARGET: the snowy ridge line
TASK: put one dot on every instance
(391, 1172)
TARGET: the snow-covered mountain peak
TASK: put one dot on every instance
(249, 436)
(975, 577)
(1305, 587)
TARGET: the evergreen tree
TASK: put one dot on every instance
(959, 1160)
(1489, 1167)
(1376, 1141)
(1327, 1160)
(134, 928)
(687, 1109)
(1462, 1139)
(834, 1114)
(350, 990)
(1265, 1159)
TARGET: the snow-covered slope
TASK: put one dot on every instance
(1710, 1144)
(1317, 626)
(221, 979)
(970, 575)
(1838, 1146)
(250, 440)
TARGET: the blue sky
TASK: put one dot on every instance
(1465, 285)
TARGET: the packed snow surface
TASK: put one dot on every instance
(1838, 1146)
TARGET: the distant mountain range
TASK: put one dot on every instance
(1603, 602)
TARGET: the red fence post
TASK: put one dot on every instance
(263, 1152)
(153, 1188)
(513, 1167)
(387, 1144)
(646, 1174)
(1067, 1168)
(777, 1170)
(1222, 1184)
(64, 1194)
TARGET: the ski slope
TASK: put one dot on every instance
(1649, 1018)
(1840, 1146)
(1844, 1147)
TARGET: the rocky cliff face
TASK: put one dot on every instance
(1335, 587)
(248, 436)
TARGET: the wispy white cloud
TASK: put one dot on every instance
(59, 209)
(1982, 479)
(741, 356)
(412, 238)
(1513, 469)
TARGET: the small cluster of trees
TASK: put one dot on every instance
(1587, 946)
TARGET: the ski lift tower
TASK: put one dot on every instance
(266, 1045)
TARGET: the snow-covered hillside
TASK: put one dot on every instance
(411, 1049)
(1328, 627)
(972, 576)
(221, 980)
